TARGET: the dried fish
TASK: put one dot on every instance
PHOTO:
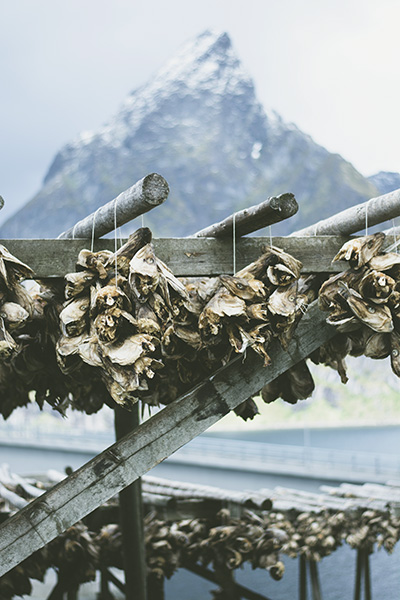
(395, 352)
(110, 296)
(286, 300)
(14, 315)
(274, 267)
(250, 289)
(95, 261)
(376, 345)
(376, 286)
(144, 276)
(377, 317)
(74, 317)
(359, 251)
(385, 262)
(11, 269)
(78, 283)
(146, 319)
(8, 345)
(130, 349)
(121, 259)
(112, 323)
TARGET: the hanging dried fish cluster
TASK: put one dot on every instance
(27, 357)
(259, 537)
(18, 581)
(73, 554)
(363, 304)
(147, 334)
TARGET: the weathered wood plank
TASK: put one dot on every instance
(185, 256)
(143, 196)
(156, 439)
(273, 210)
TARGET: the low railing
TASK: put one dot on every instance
(258, 454)
(221, 452)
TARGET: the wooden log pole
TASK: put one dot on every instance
(144, 195)
(359, 571)
(302, 577)
(131, 517)
(273, 210)
(315, 584)
(353, 219)
(157, 438)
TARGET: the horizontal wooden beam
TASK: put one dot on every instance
(185, 256)
(156, 439)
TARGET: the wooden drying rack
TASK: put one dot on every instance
(140, 447)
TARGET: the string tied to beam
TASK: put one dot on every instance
(73, 231)
(234, 241)
(366, 215)
(115, 239)
(93, 228)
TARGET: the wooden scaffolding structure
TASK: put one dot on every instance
(139, 447)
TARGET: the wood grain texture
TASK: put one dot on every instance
(186, 256)
(273, 210)
(156, 439)
(143, 196)
(373, 212)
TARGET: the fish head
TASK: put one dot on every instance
(359, 251)
(376, 286)
(247, 289)
(285, 300)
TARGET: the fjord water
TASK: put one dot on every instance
(337, 572)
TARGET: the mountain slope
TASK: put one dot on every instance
(385, 181)
(199, 124)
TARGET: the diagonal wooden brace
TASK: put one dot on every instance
(156, 439)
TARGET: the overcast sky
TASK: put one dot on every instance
(330, 66)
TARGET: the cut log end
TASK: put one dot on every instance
(155, 189)
(285, 204)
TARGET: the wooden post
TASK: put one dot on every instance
(131, 517)
(353, 219)
(104, 587)
(362, 568)
(155, 587)
(315, 584)
(226, 581)
(146, 194)
(302, 577)
(359, 572)
(367, 576)
(273, 210)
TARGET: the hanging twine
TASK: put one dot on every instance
(366, 217)
(93, 227)
(115, 239)
(395, 237)
(270, 235)
(234, 242)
